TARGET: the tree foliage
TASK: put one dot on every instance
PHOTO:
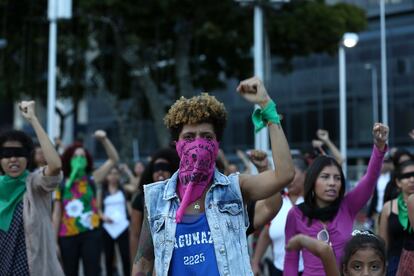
(167, 47)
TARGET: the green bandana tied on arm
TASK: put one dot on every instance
(403, 214)
(11, 193)
(261, 117)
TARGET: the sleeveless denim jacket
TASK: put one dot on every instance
(226, 216)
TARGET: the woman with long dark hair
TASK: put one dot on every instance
(327, 213)
(75, 214)
(392, 225)
(114, 214)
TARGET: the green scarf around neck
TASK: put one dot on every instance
(78, 166)
(403, 213)
(12, 190)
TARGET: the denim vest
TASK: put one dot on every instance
(226, 216)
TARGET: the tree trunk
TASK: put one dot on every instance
(182, 59)
(157, 108)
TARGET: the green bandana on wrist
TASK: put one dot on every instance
(11, 194)
(403, 214)
(261, 117)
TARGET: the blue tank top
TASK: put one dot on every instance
(194, 249)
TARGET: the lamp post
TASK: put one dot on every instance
(261, 139)
(384, 92)
(3, 43)
(374, 91)
(349, 40)
(57, 9)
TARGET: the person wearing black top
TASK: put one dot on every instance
(162, 165)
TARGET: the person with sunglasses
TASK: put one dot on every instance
(27, 246)
(327, 213)
(163, 164)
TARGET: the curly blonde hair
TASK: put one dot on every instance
(198, 109)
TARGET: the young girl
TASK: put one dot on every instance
(27, 246)
(364, 254)
(326, 213)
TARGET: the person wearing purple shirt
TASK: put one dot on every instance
(327, 213)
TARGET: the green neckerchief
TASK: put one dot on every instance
(11, 193)
(78, 169)
(403, 213)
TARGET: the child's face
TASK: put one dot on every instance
(365, 262)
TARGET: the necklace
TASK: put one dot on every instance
(323, 235)
(197, 206)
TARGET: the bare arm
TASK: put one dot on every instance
(266, 209)
(242, 156)
(54, 164)
(411, 134)
(266, 184)
(222, 157)
(262, 243)
(318, 248)
(263, 185)
(100, 173)
(135, 231)
(383, 222)
(132, 186)
(323, 135)
(144, 259)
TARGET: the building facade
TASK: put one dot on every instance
(308, 97)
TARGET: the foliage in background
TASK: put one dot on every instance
(153, 51)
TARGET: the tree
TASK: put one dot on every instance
(171, 48)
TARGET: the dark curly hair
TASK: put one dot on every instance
(68, 154)
(198, 109)
(22, 138)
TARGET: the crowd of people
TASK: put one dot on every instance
(189, 211)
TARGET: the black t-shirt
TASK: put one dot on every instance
(138, 202)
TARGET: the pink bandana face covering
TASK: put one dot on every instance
(197, 163)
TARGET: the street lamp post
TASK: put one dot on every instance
(374, 91)
(3, 43)
(57, 9)
(384, 91)
(261, 139)
(349, 40)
